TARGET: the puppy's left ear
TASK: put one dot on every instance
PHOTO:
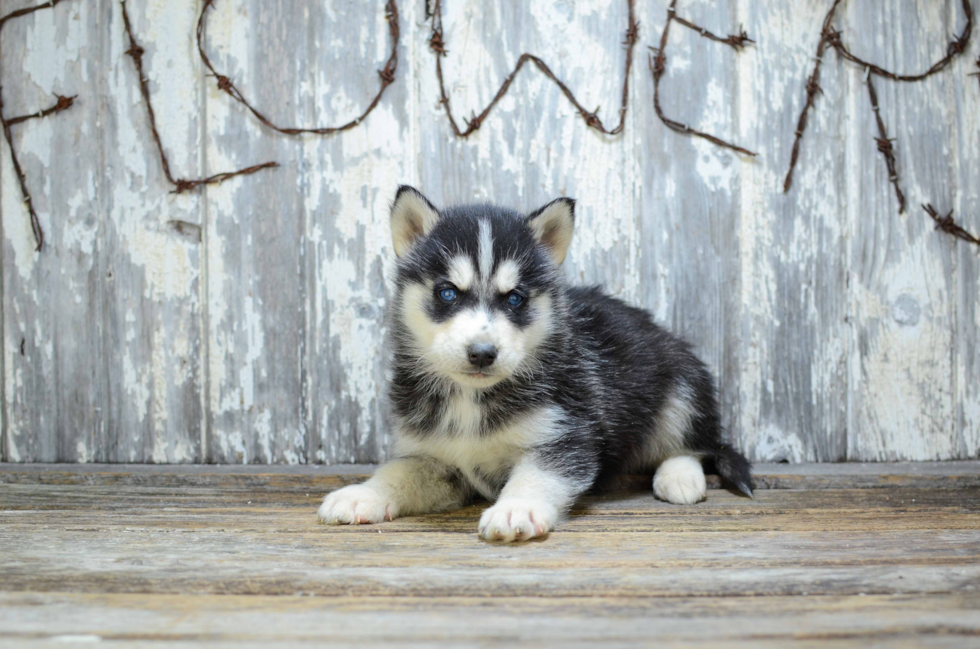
(553, 225)
(412, 217)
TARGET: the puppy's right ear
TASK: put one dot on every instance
(412, 217)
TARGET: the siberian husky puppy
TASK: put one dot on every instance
(509, 384)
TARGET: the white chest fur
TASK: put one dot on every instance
(458, 441)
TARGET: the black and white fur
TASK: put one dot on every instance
(529, 401)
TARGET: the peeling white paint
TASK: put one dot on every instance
(829, 316)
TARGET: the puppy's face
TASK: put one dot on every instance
(476, 284)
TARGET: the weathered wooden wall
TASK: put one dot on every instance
(243, 322)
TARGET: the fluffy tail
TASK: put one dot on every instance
(734, 468)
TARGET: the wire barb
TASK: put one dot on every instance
(829, 37)
(949, 226)
(658, 64)
(181, 185)
(885, 146)
(387, 75)
(63, 103)
(437, 44)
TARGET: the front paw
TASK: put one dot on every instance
(517, 520)
(356, 504)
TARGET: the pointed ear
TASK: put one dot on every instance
(412, 217)
(553, 225)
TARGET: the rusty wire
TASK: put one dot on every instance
(949, 226)
(885, 145)
(387, 75)
(833, 38)
(62, 104)
(658, 65)
(180, 184)
(812, 88)
(437, 44)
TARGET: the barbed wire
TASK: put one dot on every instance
(812, 88)
(658, 65)
(885, 144)
(180, 184)
(62, 104)
(829, 39)
(387, 74)
(437, 44)
(949, 226)
(834, 38)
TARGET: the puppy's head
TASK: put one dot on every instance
(477, 284)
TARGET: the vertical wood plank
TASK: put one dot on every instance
(965, 115)
(352, 180)
(151, 267)
(792, 335)
(484, 41)
(838, 328)
(561, 156)
(254, 234)
(55, 390)
(688, 221)
(902, 272)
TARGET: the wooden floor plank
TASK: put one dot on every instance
(766, 476)
(190, 557)
(357, 621)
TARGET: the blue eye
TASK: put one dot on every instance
(448, 294)
(515, 299)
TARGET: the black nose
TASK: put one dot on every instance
(482, 354)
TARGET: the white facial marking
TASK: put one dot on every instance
(442, 347)
(486, 249)
(461, 272)
(414, 315)
(507, 276)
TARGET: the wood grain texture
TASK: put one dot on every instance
(230, 561)
(256, 289)
(56, 388)
(151, 261)
(243, 322)
(792, 337)
(39, 619)
(903, 277)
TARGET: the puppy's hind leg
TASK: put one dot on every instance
(680, 480)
